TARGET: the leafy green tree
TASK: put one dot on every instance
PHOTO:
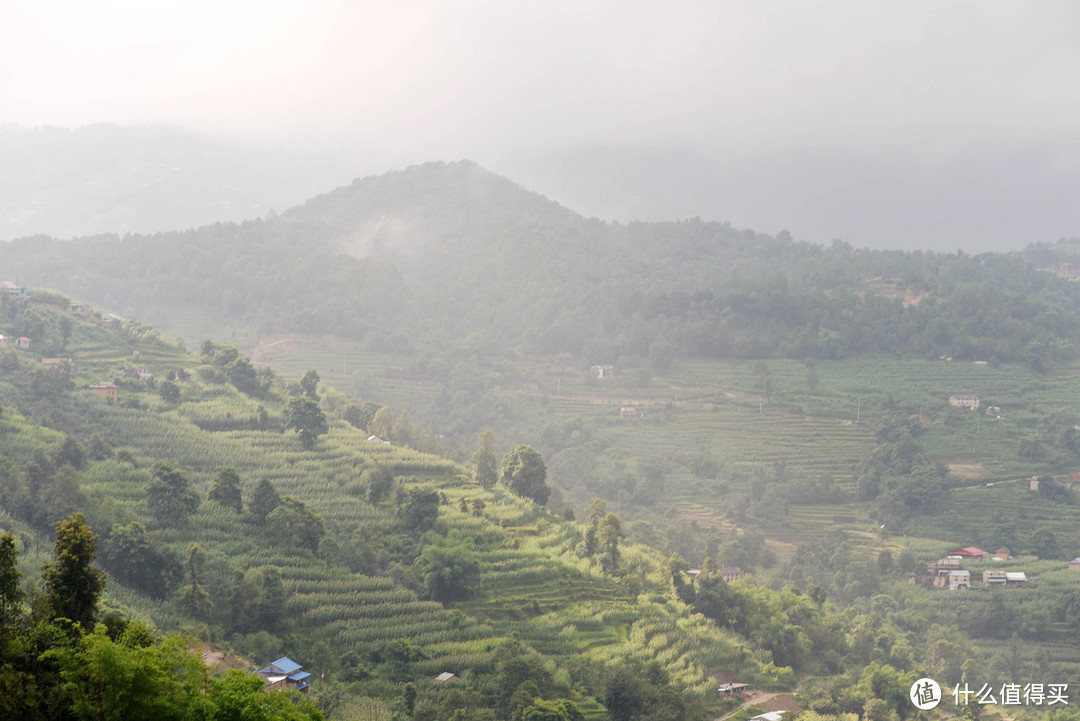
(296, 525)
(421, 511)
(450, 567)
(304, 416)
(1044, 544)
(608, 535)
(271, 601)
(168, 496)
(11, 593)
(226, 489)
(560, 710)
(71, 453)
(195, 599)
(382, 424)
(309, 384)
(130, 556)
(485, 471)
(169, 392)
(263, 500)
(378, 481)
(524, 473)
(72, 584)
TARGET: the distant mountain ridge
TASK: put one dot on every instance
(450, 260)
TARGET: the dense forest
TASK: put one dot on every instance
(452, 262)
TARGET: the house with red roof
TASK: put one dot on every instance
(969, 552)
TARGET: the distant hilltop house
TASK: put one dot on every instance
(970, 403)
(628, 412)
(11, 290)
(105, 390)
(79, 308)
(1033, 484)
(1002, 554)
(23, 343)
(376, 439)
(603, 371)
(1067, 271)
(445, 676)
(1074, 565)
(285, 675)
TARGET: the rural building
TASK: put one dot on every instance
(969, 552)
(1002, 554)
(628, 412)
(978, 363)
(603, 371)
(947, 564)
(445, 676)
(731, 690)
(729, 573)
(1016, 578)
(376, 439)
(4, 339)
(15, 291)
(1074, 565)
(285, 675)
(969, 403)
(959, 580)
(1033, 484)
(23, 343)
(105, 389)
(79, 308)
(994, 578)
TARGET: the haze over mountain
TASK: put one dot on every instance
(922, 126)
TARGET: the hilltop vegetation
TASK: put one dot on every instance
(450, 262)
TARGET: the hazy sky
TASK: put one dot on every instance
(817, 100)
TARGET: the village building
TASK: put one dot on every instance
(23, 343)
(445, 676)
(105, 389)
(1033, 484)
(1016, 578)
(969, 403)
(603, 371)
(729, 573)
(12, 290)
(1074, 565)
(79, 308)
(285, 675)
(376, 439)
(970, 552)
(1002, 554)
(628, 412)
(959, 580)
(731, 690)
(994, 577)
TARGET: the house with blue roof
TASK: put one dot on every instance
(285, 675)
